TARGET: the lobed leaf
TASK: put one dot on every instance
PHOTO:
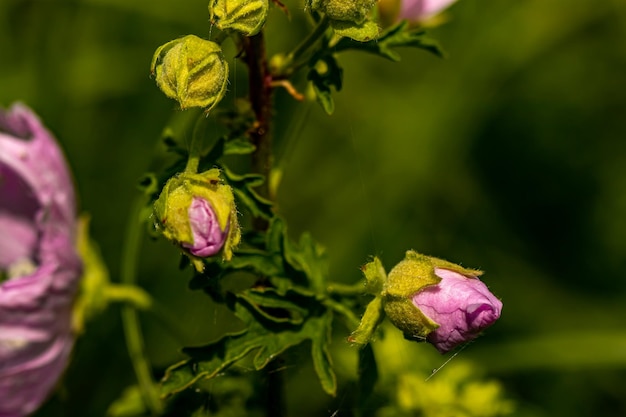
(243, 188)
(399, 35)
(264, 336)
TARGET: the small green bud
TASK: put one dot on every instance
(192, 71)
(356, 11)
(245, 16)
(197, 212)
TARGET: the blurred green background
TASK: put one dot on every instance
(509, 156)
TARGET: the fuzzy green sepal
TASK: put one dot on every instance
(373, 316)
(375, 276)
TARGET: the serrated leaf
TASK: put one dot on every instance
(321, 357)
(276, 235)
(399, 35)
(266, 338)
(243, 188)
(208, 361)
(275, 306)
(324, 74)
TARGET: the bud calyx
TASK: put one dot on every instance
(192, 71)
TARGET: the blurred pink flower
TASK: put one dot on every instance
(462, 307)
(418, 10)
(39, 266)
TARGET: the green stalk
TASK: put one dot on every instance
(287, 66)
(194, 154)
(347, 289)
(130, 319)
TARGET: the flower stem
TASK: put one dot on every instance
(139, 299)
(286, 68)
(260, 87)
(260, 94)
(130, 319)
(195, 151)
(347, 290)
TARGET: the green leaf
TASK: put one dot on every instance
(275, 306)
(243, 188)
(399, 35)
(309, 257)
(265, 337)
(324, 74)
(321, 357)
(286, 306)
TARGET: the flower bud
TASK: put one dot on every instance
(355, 11)
(192, 71)
(245, 16)
(39, 267)
(443, 303)
(197, 211)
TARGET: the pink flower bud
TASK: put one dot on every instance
(433, 300)
(198, 213)
(208, 236)
(39, 266)
(461, 305)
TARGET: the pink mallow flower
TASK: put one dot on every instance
(420, 10)
(208, 236)
(461, 305)
(39, 266)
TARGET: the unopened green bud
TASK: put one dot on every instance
(192, 71)
(356, 11)
(245, 16)
(197, 212)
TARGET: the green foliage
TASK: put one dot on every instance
(396, 36)
(324, 74)
(276, 313)
(244, 189)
